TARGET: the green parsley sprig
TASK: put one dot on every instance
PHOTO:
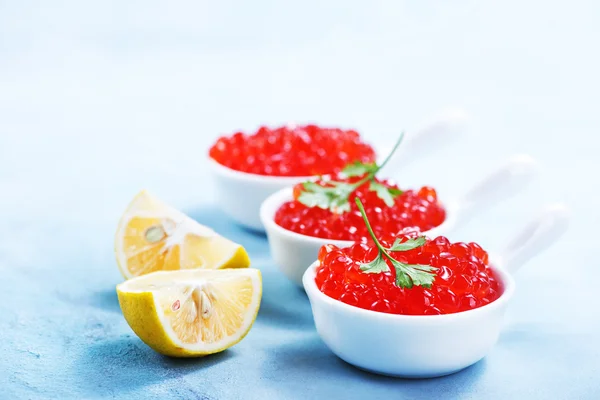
(407, 275)
(334, 196)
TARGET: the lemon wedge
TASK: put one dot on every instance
(153, 236)
(191, 313)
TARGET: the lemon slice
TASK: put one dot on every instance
(191, 313)
(153, 236)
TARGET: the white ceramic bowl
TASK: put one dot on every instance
(294, 252)
(240, 194)
(430, 345)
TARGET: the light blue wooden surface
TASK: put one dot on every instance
(100, 99)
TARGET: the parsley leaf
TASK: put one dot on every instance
(407, 275)
(402, 280)
(395, 191)
(315, 199)
(314, 187)
(340, 204)
(376, 266)
(408, 245)
(384, 193)
(334, 197)
(358, 168)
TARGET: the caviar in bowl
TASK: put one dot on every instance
(413, 317)
(296, 231)
(249, 167)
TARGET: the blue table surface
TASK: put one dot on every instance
(101, 99)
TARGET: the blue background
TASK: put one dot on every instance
(100, 99)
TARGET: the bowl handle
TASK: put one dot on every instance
(441, 131)
(504, 182)
(538, 235)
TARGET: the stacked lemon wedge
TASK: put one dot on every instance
(189, 291)
(153, 236)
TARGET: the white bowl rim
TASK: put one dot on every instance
(508, 283)
(272, 203)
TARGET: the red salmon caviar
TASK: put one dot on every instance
(412, 211)
(292, 151)
(463, 279)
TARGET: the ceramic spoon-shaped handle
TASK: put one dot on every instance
(506, 181)
(535, 237)
(440, 132)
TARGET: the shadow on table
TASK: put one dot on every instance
(126, 364)
(310, 361)
(106, 300)
(283, 304)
